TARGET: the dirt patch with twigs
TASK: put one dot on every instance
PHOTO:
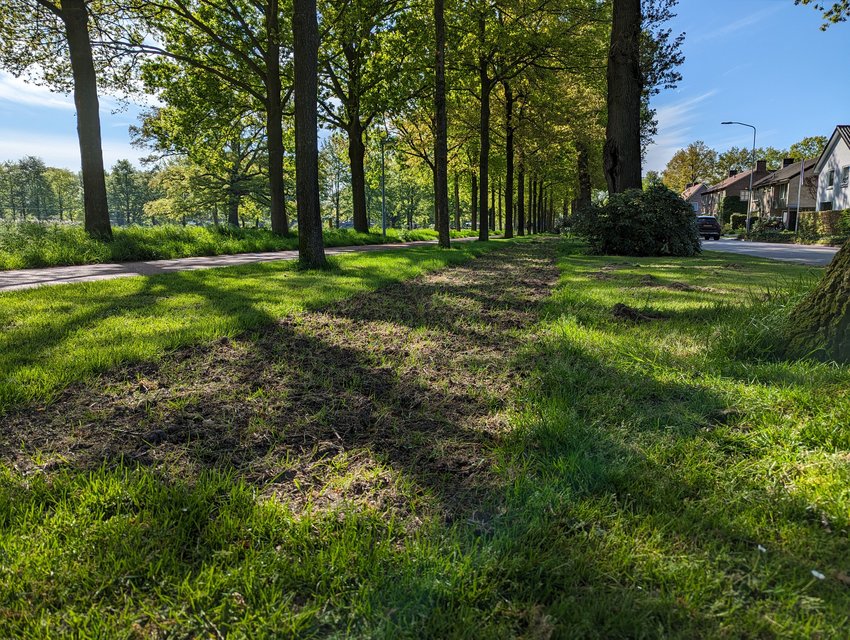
(394, 394)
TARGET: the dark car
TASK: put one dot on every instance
(709, 227)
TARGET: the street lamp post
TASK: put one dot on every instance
(752, 173)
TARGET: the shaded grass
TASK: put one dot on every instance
(39, 245)
(660, 479)
(54, 336)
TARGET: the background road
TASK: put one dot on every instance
(807, 254)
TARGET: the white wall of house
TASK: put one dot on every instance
(838, 161)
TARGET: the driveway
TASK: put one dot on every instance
(816, 256)
(30, 278)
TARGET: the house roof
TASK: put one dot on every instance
(694, 189)
(784, 175)
(841, 132)
(722, 186)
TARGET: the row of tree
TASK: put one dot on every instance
(238, 82)
(30, 190)
(700, 163)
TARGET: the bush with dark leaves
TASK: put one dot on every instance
(655, 222)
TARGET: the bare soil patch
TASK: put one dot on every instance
(342, 405)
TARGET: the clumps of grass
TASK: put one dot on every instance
(29, 245)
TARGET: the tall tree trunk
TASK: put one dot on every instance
(584, 179)
(441, 149)
(499, 222)
(484, 134)
(509, 162)
(520, 201)
(540, 205)
(457, 202)
(74, 15)
(474, 212)
(820, 325)
(622, 145)
(305, 29)
(356, 156)
(274, 119)
(493, 206)
(532, 203)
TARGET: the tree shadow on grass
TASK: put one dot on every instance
(379, 382)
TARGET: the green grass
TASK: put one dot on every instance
(61, 334)
(673, 478)
(37, 245)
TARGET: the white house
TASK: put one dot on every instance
(833, 169)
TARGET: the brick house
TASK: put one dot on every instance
(777, 194)
(737, 185)
(693, 196)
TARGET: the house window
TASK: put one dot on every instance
(845, 176)
(745, 196)
(830, 179)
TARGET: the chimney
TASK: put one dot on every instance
(733, 173)
(787, 162)
(761, 166)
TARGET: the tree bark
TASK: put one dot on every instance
(520, 202)
(356, 156)
(509, 162)
(584, 180)
(474, 211)
(484, 134)
(538, 213)
(74, 14)
(492, 207)
(305, 29)
(457, 202)
(441, 149)
(532, 204)
(499, 224)
(820, 325)
(622, 153)
(274, 120)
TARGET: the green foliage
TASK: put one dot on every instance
(733, 205)
(640, 223)
(738, 220)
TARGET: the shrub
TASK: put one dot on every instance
(733, 205)
(655, 222)
(739, 220)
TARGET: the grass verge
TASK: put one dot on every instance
(54, 336)
(452, 457)
(38, 245)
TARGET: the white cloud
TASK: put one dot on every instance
(674, 130)
(739, 24)
(15, 90)
(61, 150)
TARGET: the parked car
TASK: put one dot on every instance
(709, 227)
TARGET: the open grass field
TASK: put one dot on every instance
(29, 245)
(392, 450)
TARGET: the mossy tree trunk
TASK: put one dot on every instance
(820, 325)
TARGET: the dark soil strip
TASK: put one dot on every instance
(412, 378)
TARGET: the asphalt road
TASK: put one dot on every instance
(806, 254)
(31, 278)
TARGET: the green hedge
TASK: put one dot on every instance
(739, 220)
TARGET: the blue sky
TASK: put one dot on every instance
(759, 61)
(764, 62)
